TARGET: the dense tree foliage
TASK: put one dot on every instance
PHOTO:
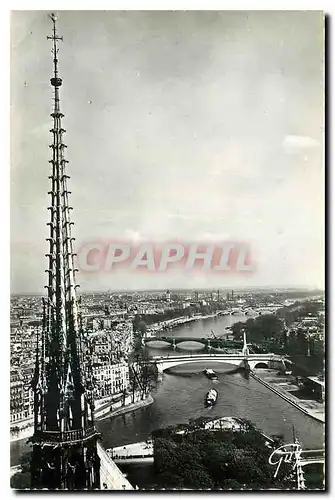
(143, 373)
(139, 326)
(314, 476)
(299, 310)
(264, 327)
(221, 459)
(26, 461)
(269, 333)
(21, 480)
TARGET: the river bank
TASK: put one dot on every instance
(176, 322)
(126, 409)
(200, 326)
(28, 430)
(284, 388)
(23, 434)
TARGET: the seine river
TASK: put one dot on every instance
(203, 328)
(179, 396)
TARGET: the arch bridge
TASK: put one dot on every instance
(269, 360)
(205, 341)
(308, 457)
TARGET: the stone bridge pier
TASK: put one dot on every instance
(159, 367)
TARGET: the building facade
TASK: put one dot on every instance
(110, 379)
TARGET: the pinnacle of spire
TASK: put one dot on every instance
(61, 330)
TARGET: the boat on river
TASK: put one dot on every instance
(211, 397)
(210, 374)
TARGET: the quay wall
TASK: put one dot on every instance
(131, 407)
(286, 398)
(27, 427)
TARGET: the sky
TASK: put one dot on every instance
(185, 125)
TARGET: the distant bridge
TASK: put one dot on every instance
(205, 341)
(308, 461)
(269, 360)
(133, 453)
(308, 457)
(225, 345)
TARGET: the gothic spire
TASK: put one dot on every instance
(63, 393)
(63, 312)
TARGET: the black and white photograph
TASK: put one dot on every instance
(167, 250)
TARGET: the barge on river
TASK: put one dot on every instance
(211, 397)
(210, 374)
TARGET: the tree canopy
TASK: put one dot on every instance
(221, 459)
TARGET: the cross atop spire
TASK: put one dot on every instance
(54, 36)
(56, 82)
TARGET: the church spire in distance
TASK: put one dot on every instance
(65, 438)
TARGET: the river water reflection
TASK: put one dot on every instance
(180, 397)
(204, 328)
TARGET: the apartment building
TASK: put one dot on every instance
(110, 378)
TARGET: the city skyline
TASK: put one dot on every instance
(147, 116)
(179, 290)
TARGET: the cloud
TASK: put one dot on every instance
(132, 235)
(296, 143)
(214, 237)
(209, 113)
(41, 130)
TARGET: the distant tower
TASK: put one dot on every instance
(218, 295)
(168, 296)
(232, 295)
(65, 439)
(196, 296)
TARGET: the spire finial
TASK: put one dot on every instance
(56, 82)
(54, 36)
